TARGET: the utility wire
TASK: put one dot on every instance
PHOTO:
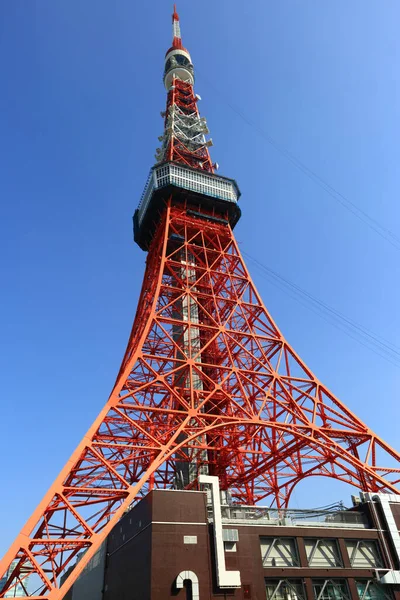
(359, 213)
(367, 338)
(352, 322)
(364, 336)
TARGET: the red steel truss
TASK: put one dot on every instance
(223, 392)
(182, 106)
(183, 140)
(207, 384)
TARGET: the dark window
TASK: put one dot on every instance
(181, 60)
(372, 590)
(284, 589)
(178, 59)
(330, 589)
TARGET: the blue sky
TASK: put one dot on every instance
(80, 103)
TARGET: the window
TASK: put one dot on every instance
(181, 60)
(372, 590)
(322, 553)
(230, 537)
(230, 546)
(330, 589)
(364, 554)
(279, 552)
(284, 589)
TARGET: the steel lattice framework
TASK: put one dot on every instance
(184, 138)
(207, 384)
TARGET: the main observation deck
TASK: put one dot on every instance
(197, 188)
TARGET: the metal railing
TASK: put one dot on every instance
(258, 515)
(199, 181)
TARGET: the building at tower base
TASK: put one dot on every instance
(195, 544)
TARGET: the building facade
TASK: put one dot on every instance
(169, 546)
(18, 591)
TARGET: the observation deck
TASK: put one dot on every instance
(215, 193)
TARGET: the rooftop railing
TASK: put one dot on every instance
(257, 515)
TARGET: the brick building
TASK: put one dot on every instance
(190, 539)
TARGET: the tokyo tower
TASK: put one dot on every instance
(208, 384)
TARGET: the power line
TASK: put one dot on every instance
(358, 212)
(367, 338)
(364, 336)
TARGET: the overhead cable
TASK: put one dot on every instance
(348, 204)
(364, 336)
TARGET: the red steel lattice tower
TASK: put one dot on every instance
(208, 384)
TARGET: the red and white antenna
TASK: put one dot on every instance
(176, 30)
(184, 138)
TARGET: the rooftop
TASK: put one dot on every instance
(335, 517)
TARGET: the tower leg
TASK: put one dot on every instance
(207, 380)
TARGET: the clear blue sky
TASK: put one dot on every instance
(79, 119)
